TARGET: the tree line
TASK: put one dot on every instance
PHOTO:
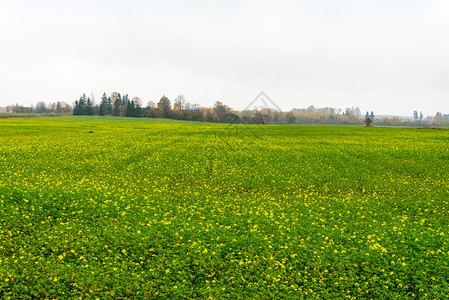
(41, 107)
(118, 104)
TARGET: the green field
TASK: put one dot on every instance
(147, 208)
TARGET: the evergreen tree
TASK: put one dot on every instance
(104, 99)
(128, 112)
(82, 104)
(103, 104)
(101, 110)
(116, 110)
(89, 108)
(133, 109)
(138, 111)
(76, 109)
(125, 100)
(109, 106)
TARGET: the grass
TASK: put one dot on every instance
(146, 208)
(29, 115)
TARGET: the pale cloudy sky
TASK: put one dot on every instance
(389, 56)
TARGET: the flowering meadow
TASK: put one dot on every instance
(109, 207)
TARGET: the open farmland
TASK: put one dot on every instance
(153, 208)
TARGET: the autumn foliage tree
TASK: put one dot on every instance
(164, 107)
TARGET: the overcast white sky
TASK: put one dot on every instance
(389, 56)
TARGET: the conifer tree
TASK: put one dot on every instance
(138, 111)
(128, 112)
(109, 106)
(125, 100)
(133, 109)
(89, 110)
(116, 110)
(101, 110)
(76, 109)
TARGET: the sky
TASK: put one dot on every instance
(386, 56)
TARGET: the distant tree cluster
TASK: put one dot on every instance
(41, 108)
(325, 110)
(325, 115)
(369, 116)
(83, 106)
(105, 105)
(118, 105)
(416, 117)
(439, 119)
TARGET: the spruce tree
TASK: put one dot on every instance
(101, 110)
(138, 111)
(89, 108)
(128, 112)
(125, 100)
(76, 109)
(133, 109)
(82, 104)
(116, 110)
(109, 106)
(104, 101)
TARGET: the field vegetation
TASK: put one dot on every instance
(110, 207)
